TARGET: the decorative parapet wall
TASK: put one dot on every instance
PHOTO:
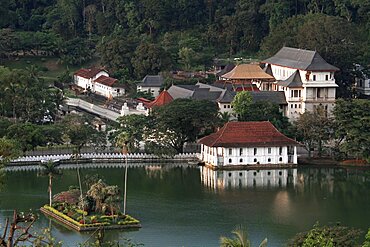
(102, 158)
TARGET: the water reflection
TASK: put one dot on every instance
(220, 180)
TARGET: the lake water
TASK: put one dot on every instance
(188, 206)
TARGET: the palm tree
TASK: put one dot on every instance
(240, 239)
(97, 192)
(50, 169)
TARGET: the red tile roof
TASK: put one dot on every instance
(247, 87)
(163, 98)
(247, 134)
(105, 80)
(88, 73)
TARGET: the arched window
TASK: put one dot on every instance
(255, 160)
(269, 160)
(281, 159)
(241, 160)
(230, 160)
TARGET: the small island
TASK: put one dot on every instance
(98, 208)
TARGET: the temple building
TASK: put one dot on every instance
(247, 143)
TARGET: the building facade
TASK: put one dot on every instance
(98, 81)
(151, 84)
(306, 79)
(248, 143)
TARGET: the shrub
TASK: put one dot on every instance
(339, 236)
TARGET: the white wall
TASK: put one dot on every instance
(153, 90)
(246, 156)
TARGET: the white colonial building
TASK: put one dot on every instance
(305, 77)
(151, 84)
(248, 143)
(98, 81)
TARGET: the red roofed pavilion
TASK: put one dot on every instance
(248, 143)
(163, 98)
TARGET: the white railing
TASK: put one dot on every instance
(104, 156)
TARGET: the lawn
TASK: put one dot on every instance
(50, 67)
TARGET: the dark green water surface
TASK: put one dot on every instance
(188, 206)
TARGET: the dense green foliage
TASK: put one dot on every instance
(146, 36)
(26, 97)
(167, 128)
(315, 128)
(247, 110)
(181, 121)
(353, 127)
(327, 236)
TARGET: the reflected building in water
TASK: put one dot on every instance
(222, 179)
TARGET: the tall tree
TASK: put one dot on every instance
(150, 58)
(50, 169)
(352, 119)
(131, 132)
(315, 129)
(181, 121)
(241, 104)
(78, 131)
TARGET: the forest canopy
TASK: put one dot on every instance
(146, 36)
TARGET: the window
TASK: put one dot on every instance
(230, 151)
(224, 106)
(255, 151)
(255, 160)
(280, 159)
(241, 160)
(280, 150)
(295, 105)
(240, 174)
(291, 106)
(314, 77)
(280, 173)
(299, 93)
(326, 77)
(230, 160)
(268, 173)
(254, 173)
(240, 151)
(269, 150)
(230, 174)
(269, 160)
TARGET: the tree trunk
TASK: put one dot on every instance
(12, 230)
(50, 184)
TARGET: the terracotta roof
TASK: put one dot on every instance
(247, 72)
(300, 59)
(247, 87)
(88, 73)
(163, 99)
(105, 80)
(247, 134)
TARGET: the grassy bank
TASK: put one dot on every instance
(49, 67)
